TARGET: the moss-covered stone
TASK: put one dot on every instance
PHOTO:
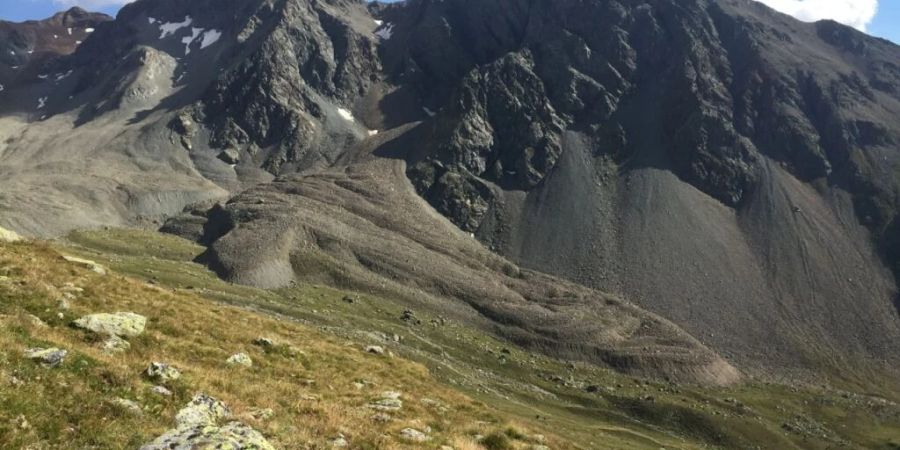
(117, 324)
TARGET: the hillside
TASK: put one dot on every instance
(614, 223)
(305, 388)
(318, 380)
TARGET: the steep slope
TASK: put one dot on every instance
(176, 103)
(723, 165)
(360, 226)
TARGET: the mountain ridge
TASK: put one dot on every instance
(718, 164)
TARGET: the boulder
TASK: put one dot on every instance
(239, 359)
(115, 344)
(389, 401)
(413, 435)
(375, 350)
(230, 156)
(197, 426)
(264, 342)
(161, 390)
(162, 372)
(96, 268)
(117, 324)
(9, 236)
(48, 357)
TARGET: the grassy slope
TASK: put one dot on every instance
(541, 394)
(310, 388)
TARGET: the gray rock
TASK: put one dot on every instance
(116, 324)
(48, 357)
(161, 390)
(93, 266)
(239, 359)
(375, 349)
(162, 372)
(115, 344)
(230, 156)
(389, 401)
(340, 442)
(198, 427)
(413, 435)
(264, 342)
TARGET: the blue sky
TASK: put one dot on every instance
(858, 13)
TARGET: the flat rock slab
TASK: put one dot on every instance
(97, 268)
(48, 357)
(116, 324)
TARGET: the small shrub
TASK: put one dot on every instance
(496, 441)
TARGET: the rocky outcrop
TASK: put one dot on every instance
(47, 357)
(198, 426)
(116, 324)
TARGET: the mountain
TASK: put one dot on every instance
(28, 48)
(708, 185)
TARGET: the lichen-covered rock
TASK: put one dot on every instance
(96, 268)
(162, 372)
(161, 390)
(202, 410)
(8, 236)
(413, 435)
(117, 324)
(389, 401)
(48, 357)
(197, 427)
(239, 359)
(115, 344)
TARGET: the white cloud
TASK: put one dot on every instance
(91, 4)
(856, 13)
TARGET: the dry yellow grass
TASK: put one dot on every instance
(318, 386)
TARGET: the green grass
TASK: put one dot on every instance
(544, 394)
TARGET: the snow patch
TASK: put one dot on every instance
(210, 38)
(42, 76)
(347, 115)
(171, 27)
(55, 36)
(151, 20)
(188, 40)
(69, 30)
(428, 111)
(2, 88)
(373, 132)
(88, 30)
(77, 42)
(63, 76)
(379, 22)
(385, 31)
(42, 102)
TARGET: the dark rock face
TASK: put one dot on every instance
(29, 48)
(741, 103)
